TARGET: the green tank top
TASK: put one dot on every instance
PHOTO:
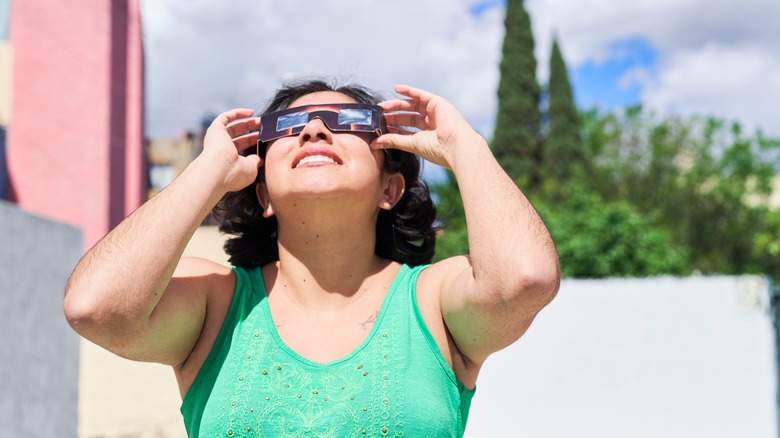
(396, 383)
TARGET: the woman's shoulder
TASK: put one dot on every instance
(443, 271)
(200, 267)
(200, 275)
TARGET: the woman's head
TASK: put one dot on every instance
(404, 233)
(310, 154)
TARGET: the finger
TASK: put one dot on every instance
(401, 130)
(251, 161)
(243, 126)
(415, 93)
(246, 141)
(406, 119)
(234, 114)
(399, 141)
(255, 160)
(409, 105)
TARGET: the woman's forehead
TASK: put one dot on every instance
(322, 97)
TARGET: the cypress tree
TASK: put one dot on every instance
(516, 141)
(564, 156)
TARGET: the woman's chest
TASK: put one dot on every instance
(266, 388)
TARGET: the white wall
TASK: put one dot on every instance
(637, 358)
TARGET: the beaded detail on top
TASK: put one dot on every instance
(253, 384)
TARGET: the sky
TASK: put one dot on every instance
(688, 57)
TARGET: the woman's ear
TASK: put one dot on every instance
(264, 199)
(393, 190)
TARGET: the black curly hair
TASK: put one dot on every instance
(406, 233)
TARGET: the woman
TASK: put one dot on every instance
(331, 323)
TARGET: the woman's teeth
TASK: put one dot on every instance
(316, 159)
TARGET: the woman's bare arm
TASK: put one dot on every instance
(489, 298)
(123, 294)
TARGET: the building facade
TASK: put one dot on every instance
(72, 166)
(74, 147)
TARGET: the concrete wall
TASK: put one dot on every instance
(119, 398)
(662, 357)
(4, 189)
(124, 399)
(40, 353)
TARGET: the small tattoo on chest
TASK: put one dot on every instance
(370, 321)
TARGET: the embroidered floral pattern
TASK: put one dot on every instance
(258, 386)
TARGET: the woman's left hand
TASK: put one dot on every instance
(427, 125)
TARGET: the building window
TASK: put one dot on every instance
(160, 175)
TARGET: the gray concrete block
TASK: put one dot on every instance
(39, 353)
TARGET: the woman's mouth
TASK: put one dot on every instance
(315, 159)
(315, 156)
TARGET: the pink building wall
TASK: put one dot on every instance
(75, 139)
(135, 177)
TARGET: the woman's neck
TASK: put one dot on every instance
(326, 258)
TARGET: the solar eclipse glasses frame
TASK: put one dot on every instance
(338, 117)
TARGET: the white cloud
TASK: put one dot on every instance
(736, 83)
(204, 57)
(713, 58)
(638, 76)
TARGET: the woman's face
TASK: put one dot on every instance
(320, 164)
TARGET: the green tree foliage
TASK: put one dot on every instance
(516, 139)
(627, 193)
(597, 239)
(766, 246)
(666, 195)
(564, 160)
(705, 180)
(453, 239)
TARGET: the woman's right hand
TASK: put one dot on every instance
(229, 134)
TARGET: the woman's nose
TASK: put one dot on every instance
(315, 130)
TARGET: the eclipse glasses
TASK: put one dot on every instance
(338, 117)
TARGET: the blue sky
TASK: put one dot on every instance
(5, 12)
(693, 57)
(604, 84)
(479, 8)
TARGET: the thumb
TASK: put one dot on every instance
(393, 141)
(253, 163)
